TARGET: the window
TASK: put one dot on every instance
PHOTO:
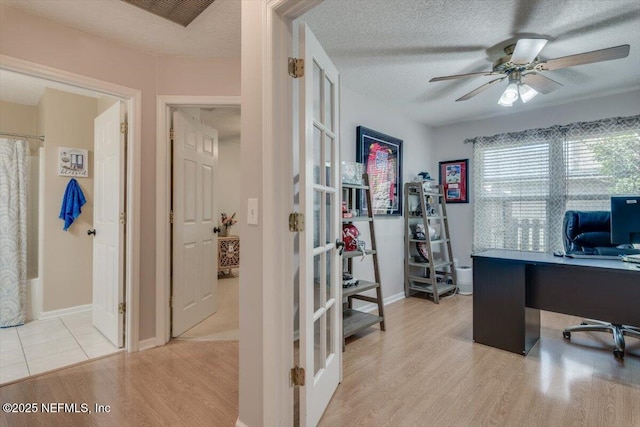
(524, 182)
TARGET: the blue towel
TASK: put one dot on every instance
(71, 203)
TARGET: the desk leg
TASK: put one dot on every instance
(500, 318)
(531, 328)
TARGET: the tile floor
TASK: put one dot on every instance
(44, 345)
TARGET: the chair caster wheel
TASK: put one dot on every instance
(566, 334)
(618, 354)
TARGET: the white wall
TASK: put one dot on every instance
(253, 360)
(450, 145)
(67, 274)
(228, 180)
(358, 110)
(105, 102)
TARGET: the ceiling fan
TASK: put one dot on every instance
(524, 69)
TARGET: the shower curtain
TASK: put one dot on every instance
(14, 175)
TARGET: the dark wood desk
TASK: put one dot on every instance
(511, 287)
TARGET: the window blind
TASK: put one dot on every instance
(525, 181)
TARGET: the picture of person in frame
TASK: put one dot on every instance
(453, 174)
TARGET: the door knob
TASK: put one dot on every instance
(216, 229)
(340, 244)
(90, 232)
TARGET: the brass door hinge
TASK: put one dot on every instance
(296, 67)
(123, 217)
(296, 222)
(171, 134)
(122, 308)
(297, 377)
(124, 127)
(171, 217)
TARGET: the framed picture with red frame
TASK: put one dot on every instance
(454, 178)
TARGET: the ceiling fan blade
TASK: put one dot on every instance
(527, 50)
(607, 54)
(480, 89)
(541, 83)
(462, 76)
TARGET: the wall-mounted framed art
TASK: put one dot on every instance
(382, 158)
(454, 178)
(73, 162)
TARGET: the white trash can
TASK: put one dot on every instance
(465, 280)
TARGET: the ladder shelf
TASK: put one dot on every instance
(353, 320)
(428, 260)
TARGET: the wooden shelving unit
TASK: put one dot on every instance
(436, 274)
(354, 320)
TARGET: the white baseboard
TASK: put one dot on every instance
(369, 307)
(147, 344)
(394, 298)
(65, 311)
(240, 423)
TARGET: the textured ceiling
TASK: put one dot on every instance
(214, 33)
(389, 49)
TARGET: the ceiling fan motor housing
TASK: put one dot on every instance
(504, 64)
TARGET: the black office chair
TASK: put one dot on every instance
(589, 233)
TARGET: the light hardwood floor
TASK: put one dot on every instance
(181, 384)
(424, 371)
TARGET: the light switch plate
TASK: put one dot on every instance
(252, 212)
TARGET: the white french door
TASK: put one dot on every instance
(195, 244)
(320, 268)
(108, 229)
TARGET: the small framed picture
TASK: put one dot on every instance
(73, 162)
(454, 178)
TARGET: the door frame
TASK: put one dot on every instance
(164, 104)
(268, 122)
(133, 101)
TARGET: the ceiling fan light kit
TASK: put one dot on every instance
(527, 93)
(516, 90)
(509, 96)
(523, 68)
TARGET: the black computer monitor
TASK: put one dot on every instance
(625, 219)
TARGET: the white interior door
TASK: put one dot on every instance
(320, 277)
(108, 241)
(195, 244)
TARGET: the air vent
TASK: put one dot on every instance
(179, 11)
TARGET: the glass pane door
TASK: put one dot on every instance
(320, 297)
